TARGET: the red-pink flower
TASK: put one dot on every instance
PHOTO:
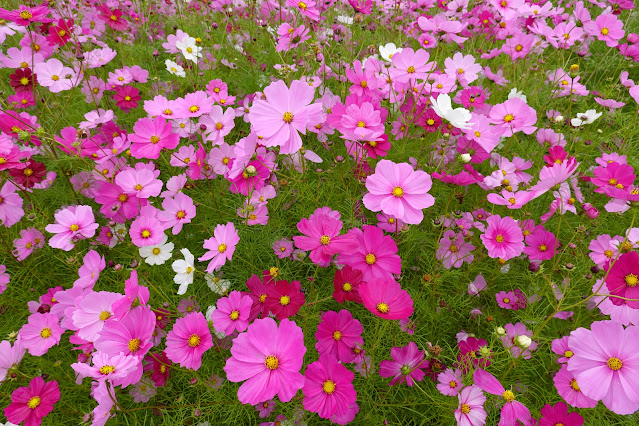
(126, 97)
(386, 299)
(346, 283)
(328, 388)
(31, 404)
(189, 339)
(623, 279)
(512, 410)
(284, 299)
(558, 415)
(541, 244)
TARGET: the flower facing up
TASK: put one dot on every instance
(221, 246)
(71, 224)
(470, 411)
(513, 116)
(407, 365)
(328, 388)
(269, 358)
(399, 191)
(130, 335)
(337, 334)
(151, 136)
(503, 238)
(284, 299)
(450, 382)
(623, 279)
(232, 313)
(188, 340)
(40, 333)
(605, 363)
(178, 211)
(386, 299)
(117, 369)
(31, 404)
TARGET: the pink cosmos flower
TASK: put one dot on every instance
(269, 359)
(410, 65)
(307, 8)
(188, 340)
(146, 230)
(141, 182)
(284, 299)
(375, 255)
(603, 249)
(541, 244)
(134, 294)
(328, 388)
(606, 27)
(232, 313)
(568, 388)
(130, 335)
(506, 300)
(470, 411)
(257, 287)
(450, 382)
(89, 272)
(4, 279)
(503, 238)
(92, 312)
(407, 365)
(285, 113)
(399, 191)
(72, 223)
(126, 97)
(622, 280)
(221, 246)
(337, 334)
(31, 404)
(178, 211)
(193, 105)
(453, 250)
(116, 369)
(10, 357)
(151, 136)
(322, 238)
(605, 364)
(463, 68)
(218, 123)
(53, 75)
(512, 410)
(40, 333)
(513, 116)
(10, 205)
(386, 299)
(283, 248)
(551, 416)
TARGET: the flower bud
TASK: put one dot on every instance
(523, 341)
(465, 158)
(559, 119)
(500, 331)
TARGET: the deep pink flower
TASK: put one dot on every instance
(346, 283)
(232, 313)
(506, 300)
(126, 97)
(606, 364)
(552, 416)
(569, 390)
(10, 205)
(269, 359)
(24, 16)
(130, 335)
(284, 299)
(151, 136)
(31, 404)
(322, 238)
(375, 255)
(328, 388)
(541, 244)
(221, 246)
(407, 365)
(622, 280)
(257, 293)
(470, 411)
(503, 238)
(386, 299)
(178, 211)
(188, 340)
(512, 410)
(146, 230)
(337, 334)
(159, 365)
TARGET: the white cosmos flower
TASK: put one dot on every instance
(388, 50)
(517, 94)
(189, 49)
(346, 20)
(585, 118)
(174, 68)
(458, 117)
(157, 254)
(184, 271)
(217, 284)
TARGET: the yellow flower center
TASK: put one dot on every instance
(107, 369)
(499, 238)
(134, 345)
(363, 83)
(194, 108)
(105, 315)
(189, 270)
(181, 214)
(519, 48)
(126, 98)
(574, 385)
(24, 65)
(361, 124)
(612, 181)
(194, 340)
(382, 307)
(35, 401)
(543, 247)
(221, 248)
(337, 335)
(74, 227)
(189, 49)
(370, 258)
(608, 253)
(506, 300)
(162, 369)
(347, 287)
(325, 239)
(302, 5)
(226, 160)
(614, 364)
(508, 118)
(568, 354)
(604, 31)
(155, 139)
(285, 300)
(509, 396)
(512, 201)
(328, 387)
(156, 251)
(410, 69)
(454, 248)
(465, 408)
(146, 233)
(113, 18)
(631, 280)
(24, 81)
(272, 362)
(122, 198)
(287, 117)
(25, 14)
(262, 298)
(46, 332)
(234, 315)
(398, 191)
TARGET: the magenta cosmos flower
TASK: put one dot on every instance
(470, 411)
(407, 365)
(232, 313)
(346, 284)
(221, 246)
(284, 299)
(151, 136)
(328, 388)
(337, 334)
(386, 299)
(558, 415)
(321, 237)
(375, 255)
(399, 191)
(285, 114)
(541, 245)
(71, 223)
(31, 404)
(605, 363)
(131, 335)
(503, 238)
(188, 340)
(622, 280)
(513, 410)
(269, 359)
(40, 333)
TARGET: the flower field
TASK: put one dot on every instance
(368, 212)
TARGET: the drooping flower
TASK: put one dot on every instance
(337, 334)
(407, 365)
(328, 388)
(512, 410)
(221, 246)
(386, 299)
(31, 404)
(269, 358)
(188, 340)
